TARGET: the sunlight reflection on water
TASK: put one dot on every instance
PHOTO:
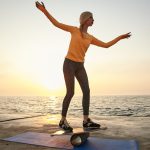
(100, 105)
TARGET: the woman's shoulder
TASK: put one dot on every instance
(90, 35)
(76, 29)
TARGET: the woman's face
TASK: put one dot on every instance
(89, 21)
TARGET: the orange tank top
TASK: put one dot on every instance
(78, 43)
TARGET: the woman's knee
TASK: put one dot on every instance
(70, 94)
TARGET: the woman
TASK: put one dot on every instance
(74, 63)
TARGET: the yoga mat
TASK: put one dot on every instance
(63, 142)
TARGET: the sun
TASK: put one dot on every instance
(52, 84)
(51, 80)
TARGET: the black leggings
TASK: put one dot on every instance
(71, 70)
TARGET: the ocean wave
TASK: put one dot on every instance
(137, 106)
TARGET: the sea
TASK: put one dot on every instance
(136, 106)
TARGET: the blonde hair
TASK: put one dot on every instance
(83, 17)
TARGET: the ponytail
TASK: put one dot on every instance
(81, 29)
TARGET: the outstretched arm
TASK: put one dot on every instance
(110, 43)
(42, 8)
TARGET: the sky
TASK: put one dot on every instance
(32, 50)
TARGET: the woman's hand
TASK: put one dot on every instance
(40, 6)
(125, 36)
